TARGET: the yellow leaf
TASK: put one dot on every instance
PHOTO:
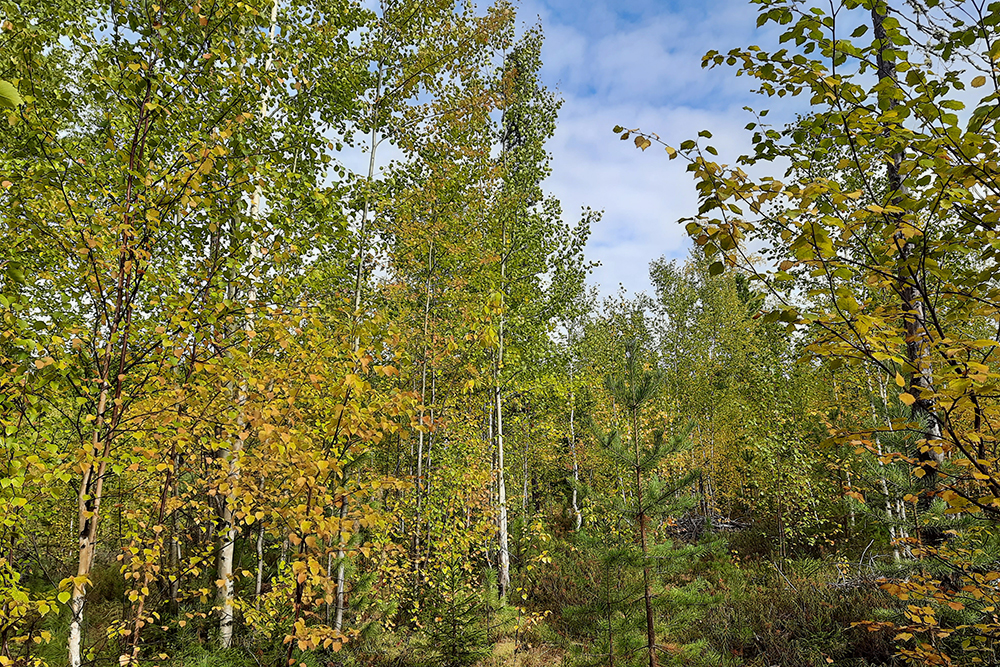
(979, 81)
(908, 399)
(900, 381)
(9, 96)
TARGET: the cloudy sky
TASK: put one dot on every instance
(637, 63)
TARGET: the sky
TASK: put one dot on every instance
(637, 63)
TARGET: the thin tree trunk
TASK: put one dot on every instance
(851, 517)
(890, 514)
(175, 545)
(363, 227)
(227, 549)
(423, 402)
(493, 468)
(232, 456)
(646, 574)
(572, 448)
(611, 634)
(89, 505)
(329, 567)
(430, 440)
(504, 576)
(338, 617)
(259, 585)
(524, 473)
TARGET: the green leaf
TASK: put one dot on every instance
(9, 96)
(716, 269)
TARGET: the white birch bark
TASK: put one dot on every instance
(572, 448)
(228, 547)
(259, 584)
(504, 574)
(419, 487)
(88, 505)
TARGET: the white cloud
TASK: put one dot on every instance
(643, 194)
(638, 63)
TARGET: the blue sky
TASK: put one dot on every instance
(637, 63)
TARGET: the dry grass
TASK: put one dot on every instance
(506, 653)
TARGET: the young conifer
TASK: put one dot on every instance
(652, 496)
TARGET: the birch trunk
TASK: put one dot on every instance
(259, 584)
(572, 448)
(227, 548)
(504, 575)
(89, 505)
(338, 615)
(883, 484)
(493, 469)
(175, 547)
(423, 402)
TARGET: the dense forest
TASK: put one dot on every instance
(265, 402)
